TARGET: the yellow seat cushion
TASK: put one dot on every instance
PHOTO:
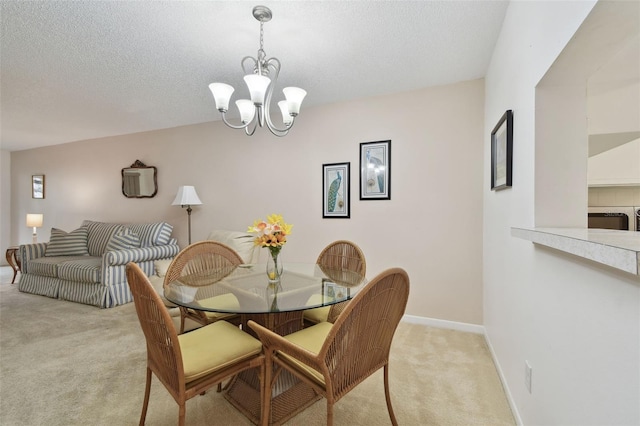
(224, 302)
(316, 314)
(312, 339)
(214, 347)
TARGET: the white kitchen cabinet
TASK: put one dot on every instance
(619, 166)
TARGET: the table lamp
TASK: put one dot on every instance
(34, 220)
(188, 197)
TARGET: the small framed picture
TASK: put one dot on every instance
(375, 170)
(37, 186)
(329, 291)
(335, 190)
(502, 152)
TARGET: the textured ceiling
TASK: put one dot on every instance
(86, 69)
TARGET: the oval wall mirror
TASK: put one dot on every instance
(139, 181)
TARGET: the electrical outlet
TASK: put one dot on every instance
(527, 375)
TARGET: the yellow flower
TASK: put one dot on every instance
(272, 233)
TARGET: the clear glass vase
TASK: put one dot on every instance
(274, 267)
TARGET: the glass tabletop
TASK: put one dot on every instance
(246, 289)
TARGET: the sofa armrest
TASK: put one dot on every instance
(29, 252)
(142, 254)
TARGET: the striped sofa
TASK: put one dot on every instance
(88, 264)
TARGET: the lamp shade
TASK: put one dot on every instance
(284, 109)
(247, 110)
(34, 220)
(257, 85)
(294, 96)
(186, 196)
(221, 94)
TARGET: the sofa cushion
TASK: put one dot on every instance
(152, 234)
(87, 270)
(123, 240)
(241, 242)
(73, 243)
(99, 235)
(48, 266)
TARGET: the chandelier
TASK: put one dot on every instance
(261, 75)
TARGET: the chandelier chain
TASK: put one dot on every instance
(261, 35)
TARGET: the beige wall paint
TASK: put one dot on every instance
(432, 226)
(5, 204)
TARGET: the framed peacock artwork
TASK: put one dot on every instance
(335, 191)
(375, 170)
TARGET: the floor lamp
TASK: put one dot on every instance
(34, 220)
(187, 197)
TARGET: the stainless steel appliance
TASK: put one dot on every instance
(625, 218)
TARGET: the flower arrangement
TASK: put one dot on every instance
(272, 234)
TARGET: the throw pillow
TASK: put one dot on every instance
(62, 243)
(162, 266)
(152, 234)
(99, 235)
(123, 240)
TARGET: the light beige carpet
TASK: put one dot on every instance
(64, 363)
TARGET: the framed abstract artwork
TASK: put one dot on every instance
(502, 152)
(37, 186)
(335, 190)
(375, 170)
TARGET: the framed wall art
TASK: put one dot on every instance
(37, 186)
(502, 152)
(375, 170)
(335, 190)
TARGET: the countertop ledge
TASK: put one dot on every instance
(618, 249)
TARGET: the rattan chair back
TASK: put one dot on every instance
(203, 263)
(343, 254)
(164, 357)
(360, 339)
(200, 265)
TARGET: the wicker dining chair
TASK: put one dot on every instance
(339, 254)
(200, 265)
(177, 360)
(334, 358)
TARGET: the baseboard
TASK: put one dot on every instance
(438, 323)
(505, 386)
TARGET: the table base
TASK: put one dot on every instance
(289, 396)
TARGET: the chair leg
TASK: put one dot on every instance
(265, 372)
(182, 321)
(329, 413)
(147, 391)
(181, 413)
(387, 395)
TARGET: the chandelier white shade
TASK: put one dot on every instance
(261, 75)
(34, 220)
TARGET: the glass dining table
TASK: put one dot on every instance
(247, 291)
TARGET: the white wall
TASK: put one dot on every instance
(576, 323)
(5, 203)
(432, 226)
